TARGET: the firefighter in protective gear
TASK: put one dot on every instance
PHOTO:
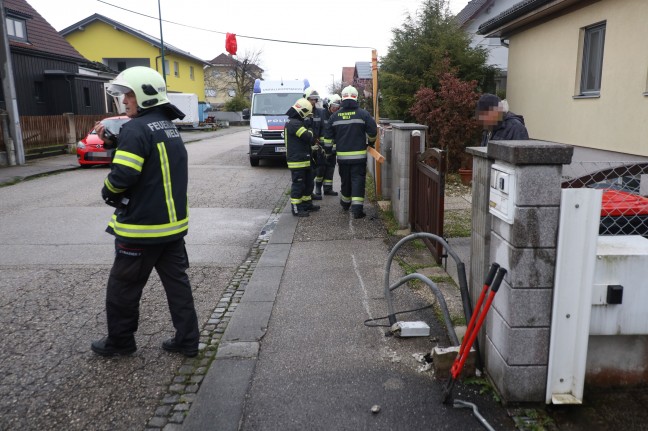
(299, 142)
(317, 123)
(325, 175)
(349, 129)
(148, 183)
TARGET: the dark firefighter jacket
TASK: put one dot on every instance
(298, 141)
(150, 170)
(348, 130)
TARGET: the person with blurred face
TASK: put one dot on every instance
(498, 123)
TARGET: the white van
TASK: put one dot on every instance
(270, 102)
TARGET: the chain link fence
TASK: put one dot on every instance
(624, 209)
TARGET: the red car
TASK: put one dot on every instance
(91, 151)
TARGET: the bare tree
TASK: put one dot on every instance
(234, 75)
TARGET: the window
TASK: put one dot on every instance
(167, 71)
(191, 72)
(176, 69)
(231, 93)
(86, 96)
(121, 66)
(39, 94)
(210, 92)
(592, 65)
(16, 28)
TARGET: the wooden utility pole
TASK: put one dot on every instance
(15, 150)
(374, 79)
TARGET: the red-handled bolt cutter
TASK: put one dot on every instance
(493, 281)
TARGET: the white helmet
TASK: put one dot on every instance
(309, 93)
(349, 93)
(334, 100)
(303, 107)
(147, 84)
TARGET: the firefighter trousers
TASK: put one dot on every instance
(352, 184)
(131, 270)
(302, 185)
(324, 173)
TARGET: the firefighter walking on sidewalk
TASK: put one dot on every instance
(349, 129)
(299, 141)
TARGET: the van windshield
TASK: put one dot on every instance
(273, 103)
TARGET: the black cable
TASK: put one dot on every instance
(395, 314)
(237, 35)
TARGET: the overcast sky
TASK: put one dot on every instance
(364, 23)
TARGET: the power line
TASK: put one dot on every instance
(237, 35)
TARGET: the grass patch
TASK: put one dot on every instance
(457, 223)
(485, 386)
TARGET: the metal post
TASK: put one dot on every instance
(9, 90)
(162, 42)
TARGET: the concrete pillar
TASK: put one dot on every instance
(400, 169)
(516, 343)
(71, 136)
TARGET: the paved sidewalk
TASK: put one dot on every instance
(296, 354)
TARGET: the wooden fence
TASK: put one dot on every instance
(49, 134)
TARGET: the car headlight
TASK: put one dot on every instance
(80, 145)
(255, 132)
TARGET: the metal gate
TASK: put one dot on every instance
(427, 191)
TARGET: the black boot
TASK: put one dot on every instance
(109, 347)
(328, 191)
(318, 189)
(357, 211)
(345, 206)
(298, 210)
(308, 206)
(316, 197)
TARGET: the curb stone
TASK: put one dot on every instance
(175, 404)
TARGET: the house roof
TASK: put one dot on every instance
(41, 36)
(130, 30)
(521, 14)
(347, 75)
(363, 69)
(471, 10)
(225, 60)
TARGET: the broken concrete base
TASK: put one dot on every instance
(443, 358)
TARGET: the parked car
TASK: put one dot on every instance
(623, 213)
(91, 151)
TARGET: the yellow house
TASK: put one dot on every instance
(118, 46)
(578, 71)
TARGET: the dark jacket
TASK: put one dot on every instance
(510, 128)
(150, 169)
(348, 130)
(298, 141)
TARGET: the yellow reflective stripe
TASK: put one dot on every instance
(351, 153)
(372, 139)
(112, 188)
(130, 160)
(148, 231)
(298, 165)
(295, 201)
(356, 199)
(328, 141)
(301, 131)
(166, 181)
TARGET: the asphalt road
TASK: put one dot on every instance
(54, 264)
